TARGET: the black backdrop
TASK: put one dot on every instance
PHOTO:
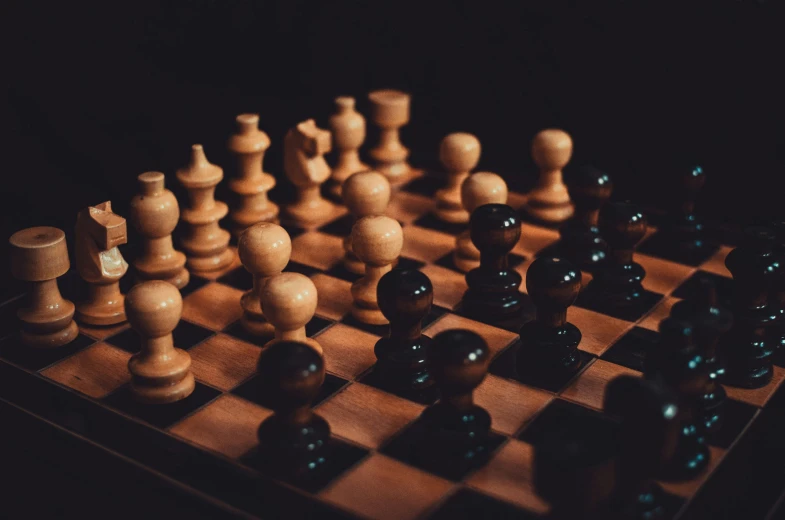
(100, 92)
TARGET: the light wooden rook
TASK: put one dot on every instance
(549, 201)
(390, 110)
(289, 303)
(204, 242)
(264, 250)
(251, 184)
(459, 153)
(477, 190)
(365, 193)
(348, 129)
(39, 256)
(160, 373)
(154, 214)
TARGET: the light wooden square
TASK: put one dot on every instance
(598, 331)
(318, 250)
(408, 207)
(426, 245)
(334, 296)
(688, 488)
(510, 403)
(348, 352)
(534, 239)
(215, 306)
(716, 264)
(223, 361)
(95, 371)
(102, 333)
(589, 388)
(661, 311)
(496, 339)
(448, 285)
(662, 276)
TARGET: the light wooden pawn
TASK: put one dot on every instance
(348, 129)
(38, 256)
(365, 193)
(459, 153)
(264, 250)
(478, 189)
(289, 302)
(549, 201)
(160, 373)
(390, 110)
(377, 241)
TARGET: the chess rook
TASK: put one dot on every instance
(206, 245)
(493, 292)
(100, 264)
(306, 168)
(348, 130)
(390, 111)
(289, 301)
(405, 298)
(476, 190)
(365, 194)
(581, 241)
(251, 184)
(154, 214)
(377, 242)
(38, 256)
(160, 373)
(549, 201)
(459, 154)
(264, 249)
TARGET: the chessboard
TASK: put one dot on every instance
(202, 443)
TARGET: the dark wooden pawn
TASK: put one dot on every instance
(549, 343)
(748, 348)
(292, 441)
(405, 298)
(648, 438)
(581, 242)
(677, 362)
(685, 228)
(618, 283)
(777, 296)
(711, 322)
(493, 292)
(456, 429)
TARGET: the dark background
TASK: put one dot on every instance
(100, 92)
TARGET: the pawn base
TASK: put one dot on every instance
(101, 313)
(164, 394)
(353, 264)
(179, 279)
(369, 316)
(549, 212)
(397, 172)
(209, 264)
(257, 326)
(310, 215)
(451, 214)
(295, 452)
(51, 340)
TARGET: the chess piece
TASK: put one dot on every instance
(459, 153)
(154, 214)
(160, 373)
(581, 241)
(251, 184)
(306, 168)
(364, 193)
(456, 428)
(405, 298)
(648, 438)
(777, 296)
(478, 189)
(493, 292)
(710, 322)
(377, 241)
(38, 256)
(549, 343)
(293, 442)
(686, 229)
(264, 250)
(618, 283)
(679, 365)
(289, 302)
(204, 242)
(549, 201)
(100, 264)
(748, 347)
(390, 111)
(348, 129)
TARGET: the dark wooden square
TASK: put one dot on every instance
(186, 335)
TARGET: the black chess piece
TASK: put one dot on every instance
(686, 229)
(618, 283)
(405, 297)
(711, 322)
(549, 343)
(456, 430)
(777, 296)
(678, 364)
(648, 439)
(581, 242)
(748, 347)
(293, 441)
(493, 293)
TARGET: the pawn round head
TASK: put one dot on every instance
(405, 295)
(290, 375)
(154, 308)
(459, 152)
(366, 193)
(622, 225)
(495, 227)
(552, 149)
(676, 334)
(377, 240)
(483, 188)
(553, 282)
(459, 361)
(289, 300)
(264, 248)
(590, 184)
(693, 179)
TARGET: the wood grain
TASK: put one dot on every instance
(497, 339)
(95, 371)
(223, 361)
(348, 352)
(425, 245)
(534, 239)
(662, 276)
(589, 388)
(317, 250)
(448, 285)
(510, 404)
(215, 306)
(599, 331)
(661, 311)
(716, 264)
(407, 207)
(335, 296)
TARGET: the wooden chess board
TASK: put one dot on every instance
(202, 443)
